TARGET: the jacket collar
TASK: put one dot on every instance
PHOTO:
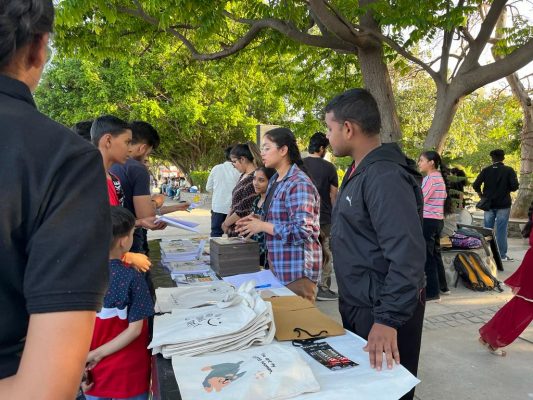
(16, 89)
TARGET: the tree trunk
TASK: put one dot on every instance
(377, 80)
(525, 193)
(445, 109)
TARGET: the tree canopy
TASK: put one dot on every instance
(198, 108)
(374, 31)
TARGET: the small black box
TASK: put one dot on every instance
(234, 256)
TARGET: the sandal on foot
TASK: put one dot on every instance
(492, 350)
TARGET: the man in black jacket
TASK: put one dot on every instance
(498, 182)
(377, 240)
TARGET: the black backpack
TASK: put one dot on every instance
(474, 273)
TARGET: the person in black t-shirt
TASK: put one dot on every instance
(135, 180)
(55, 229)
(324, 176)
(498, 182)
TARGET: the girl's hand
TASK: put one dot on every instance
(224, 227)
(249, 226)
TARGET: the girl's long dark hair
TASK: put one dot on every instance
(248, 150)
(285, 137)
(431, 155)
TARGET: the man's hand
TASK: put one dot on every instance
(183, 206)
(304, 287)
(150, 223)
(382, 339)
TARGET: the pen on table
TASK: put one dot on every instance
(263, 286)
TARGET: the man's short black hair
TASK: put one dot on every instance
(143, 132)
(317, 141)
(357, 105)
(497, 155)
(227, 153)
(122, 221)
(83, 129)
(107, 124)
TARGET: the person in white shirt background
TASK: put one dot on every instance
(221, 181)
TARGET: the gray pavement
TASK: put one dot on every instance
(453, 365)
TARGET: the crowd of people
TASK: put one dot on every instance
(73, 240)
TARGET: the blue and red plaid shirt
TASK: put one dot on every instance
(294, 251)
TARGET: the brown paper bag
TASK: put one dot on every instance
(297, 318)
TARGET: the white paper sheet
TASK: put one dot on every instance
(263, 280)
(179, 223)
(361, 382)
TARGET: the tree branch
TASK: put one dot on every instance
(405, 53)
(446, 46)
(322, 10)
(482, 75)
(468, 37)
(291, 31)
(256, 26)
(487, 26)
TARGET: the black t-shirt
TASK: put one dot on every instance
(269, 197)
(55, 226)
(324, 175)
(135, 180)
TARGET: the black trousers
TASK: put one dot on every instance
(217, 220)
(435, 274)
(360, 320)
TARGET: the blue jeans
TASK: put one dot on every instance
(500, 218)
(143, 396)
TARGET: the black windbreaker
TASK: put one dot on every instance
(377, 241)
(498, 182)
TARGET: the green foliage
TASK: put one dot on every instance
(198, 108)
(484, 121)
(340, 174)
(199, 178)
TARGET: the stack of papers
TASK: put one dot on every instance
(195, 278)
(192, 296)
(181, 250)
(239, 322)
(180, 267)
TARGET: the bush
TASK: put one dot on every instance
(199, 178)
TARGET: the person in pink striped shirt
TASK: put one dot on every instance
(437, 204)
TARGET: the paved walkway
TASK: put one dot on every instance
(453, 366)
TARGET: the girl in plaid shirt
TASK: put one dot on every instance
(291, 221)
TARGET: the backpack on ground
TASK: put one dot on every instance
(474, 273)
